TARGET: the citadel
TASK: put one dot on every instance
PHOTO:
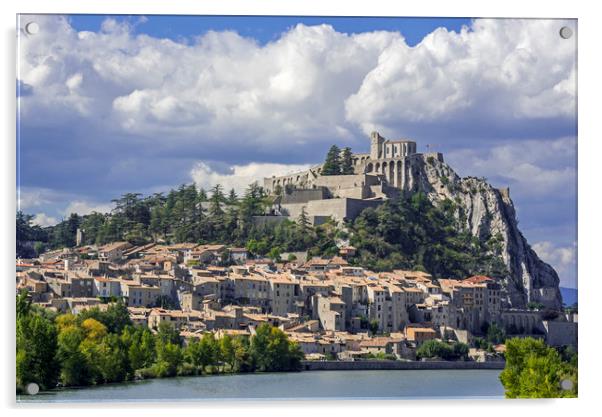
(383, 173)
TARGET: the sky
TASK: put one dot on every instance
(115, 104)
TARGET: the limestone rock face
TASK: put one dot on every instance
(488, 211)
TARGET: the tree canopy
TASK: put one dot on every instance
(332, 164)
(535, 370)
(96, 347)
(412, 233)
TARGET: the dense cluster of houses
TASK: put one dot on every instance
(330, 308)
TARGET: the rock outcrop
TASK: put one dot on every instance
(487, 211)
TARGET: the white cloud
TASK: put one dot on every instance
(240, 176)
(562, 258)
(502, 68)
(30, 197)
(532, 167)
(42, 219)
(310, 84)
(85, 207)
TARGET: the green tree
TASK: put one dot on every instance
(242, 358)
(443, 350)
(346, 162)
(112, 360)
(232, 198)
(304, 222)
(496, 334)
(204, 352)
(412, 233)
(271, 350)
(116, 317)
(534, 370)
(27, 233)
(74, 366)
(274, 254)
(374, 325)
(167, 333)
(332, 164)
(140, 346)
(217, 199)
(227, 351)
(36, 344)
(169, 358)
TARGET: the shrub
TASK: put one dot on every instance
(438, 349)
(187, 369)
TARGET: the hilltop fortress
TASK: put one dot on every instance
(393, 168)
(381, 174)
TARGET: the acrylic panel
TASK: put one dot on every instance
(290, 207)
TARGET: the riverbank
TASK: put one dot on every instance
(374, 365)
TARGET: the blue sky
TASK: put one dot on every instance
(265, 29)
(113, 104)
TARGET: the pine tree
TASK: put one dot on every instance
(232, 197)
(217, 198)
(332, 165)
(303, 220)
(346, 162)
(202, 195)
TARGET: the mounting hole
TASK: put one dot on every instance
(566, 384)
(32, 28)
(566, 32)
(32, 388)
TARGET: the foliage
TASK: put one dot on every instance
(481, 343)
(270, 350)
(185, 214)
(116, 317)
(204, 352)
(36, 344)
(534, 370)
(412, 233)
(532, 305)
(381, 356)
(443, 350)
(373, 326)
(332, 164)
(29, 236)
(495, 334)
(97, 347)
(346, 162)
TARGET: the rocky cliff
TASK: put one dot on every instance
(487, 211)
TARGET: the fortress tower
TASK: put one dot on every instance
(385, 163)
(376, 144)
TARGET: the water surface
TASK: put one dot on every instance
(389, 384)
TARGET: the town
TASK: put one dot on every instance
(330, 308)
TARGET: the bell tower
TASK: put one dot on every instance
(376, 143)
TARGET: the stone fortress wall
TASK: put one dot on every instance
(386, 160)
(378, 175)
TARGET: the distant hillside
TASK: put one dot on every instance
(569, 295)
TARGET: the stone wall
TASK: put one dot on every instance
(265, 220)
(303, 196)
(396, 365)
(337, 208)
(560, 333)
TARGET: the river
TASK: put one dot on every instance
(397, 384)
